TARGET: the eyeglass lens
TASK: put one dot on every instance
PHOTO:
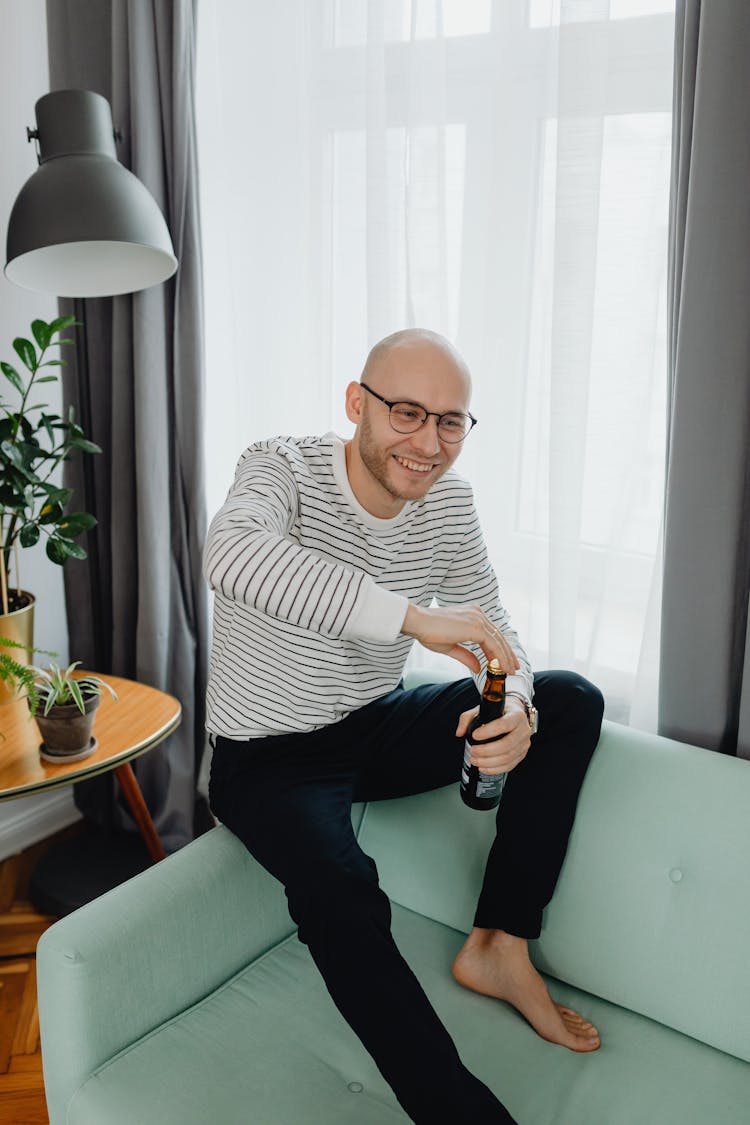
(407, 418)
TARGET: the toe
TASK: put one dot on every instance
(574, 1020)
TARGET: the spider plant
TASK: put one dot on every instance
(56, 687)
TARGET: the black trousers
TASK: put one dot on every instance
(289, 797)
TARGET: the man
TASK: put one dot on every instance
(325, 560)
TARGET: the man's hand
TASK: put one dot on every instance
(447, 629)
(513, 731)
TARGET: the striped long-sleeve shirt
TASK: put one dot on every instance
(311, 590)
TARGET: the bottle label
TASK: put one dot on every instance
(487, 784)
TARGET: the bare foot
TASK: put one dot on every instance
(497, 964)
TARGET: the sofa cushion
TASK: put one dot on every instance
(269, 1048)
(654, 883)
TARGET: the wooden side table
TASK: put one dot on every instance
(140, 719)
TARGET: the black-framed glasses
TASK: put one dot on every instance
(408, 417)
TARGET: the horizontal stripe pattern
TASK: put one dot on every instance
(306, 613)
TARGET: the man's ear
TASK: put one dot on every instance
(354, 403)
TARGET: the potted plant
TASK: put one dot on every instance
(33, 444)
(65, 711)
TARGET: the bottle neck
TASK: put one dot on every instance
(493, 696)
(491, 708)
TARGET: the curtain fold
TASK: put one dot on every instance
(145, 354)
(704, 670)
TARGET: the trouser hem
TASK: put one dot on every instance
(524, 925)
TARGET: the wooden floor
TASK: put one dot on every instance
(22, 1099)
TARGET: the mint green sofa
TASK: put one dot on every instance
(183, 997)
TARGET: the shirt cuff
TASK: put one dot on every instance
(520, 685)
(379, 617)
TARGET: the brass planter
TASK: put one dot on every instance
(17, 626)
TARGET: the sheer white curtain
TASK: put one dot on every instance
(497, 171)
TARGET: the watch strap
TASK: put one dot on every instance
(532, 714)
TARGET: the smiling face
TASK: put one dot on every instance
(386, 469)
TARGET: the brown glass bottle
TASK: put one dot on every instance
(483, 790)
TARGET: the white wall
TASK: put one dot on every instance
(24, 77)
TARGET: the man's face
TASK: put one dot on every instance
(405, 466)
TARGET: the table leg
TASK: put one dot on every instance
(139, 809)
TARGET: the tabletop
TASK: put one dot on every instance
(140, 719)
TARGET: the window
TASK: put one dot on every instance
(498, 172)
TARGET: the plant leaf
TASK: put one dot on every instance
(13, 453)
(47, 378)
(26, 352)
(72, 550)
(57, 495)
(51, 512)
(44, 421)
(75, 691)
(31, 451)
(84, 444)
(13, 377)
(61, 322)
(42, 333)
(55, 552)
(74, 523)
(29, 535)
(6, 642)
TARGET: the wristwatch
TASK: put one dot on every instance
(531, 712)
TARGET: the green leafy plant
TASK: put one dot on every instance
(17, 676)
(33, 443)
(56, 687)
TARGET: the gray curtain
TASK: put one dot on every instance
(705, 649)
(145, 358)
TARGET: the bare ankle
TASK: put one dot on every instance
(485, 939)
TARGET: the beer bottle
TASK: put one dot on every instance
(483, 790)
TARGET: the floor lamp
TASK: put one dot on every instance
(84, 226)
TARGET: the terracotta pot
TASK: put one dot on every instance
(17, 626)
(67, 732)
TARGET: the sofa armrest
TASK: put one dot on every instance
(120, 966)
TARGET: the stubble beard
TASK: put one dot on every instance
(377, 464)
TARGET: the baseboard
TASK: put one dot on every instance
(27, 820)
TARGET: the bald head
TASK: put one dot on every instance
(414, 346)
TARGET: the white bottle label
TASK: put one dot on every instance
(488, 784)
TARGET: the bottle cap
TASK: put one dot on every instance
(495, 669)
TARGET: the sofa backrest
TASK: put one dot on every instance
(652, 910)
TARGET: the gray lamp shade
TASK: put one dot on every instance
(83, 225)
